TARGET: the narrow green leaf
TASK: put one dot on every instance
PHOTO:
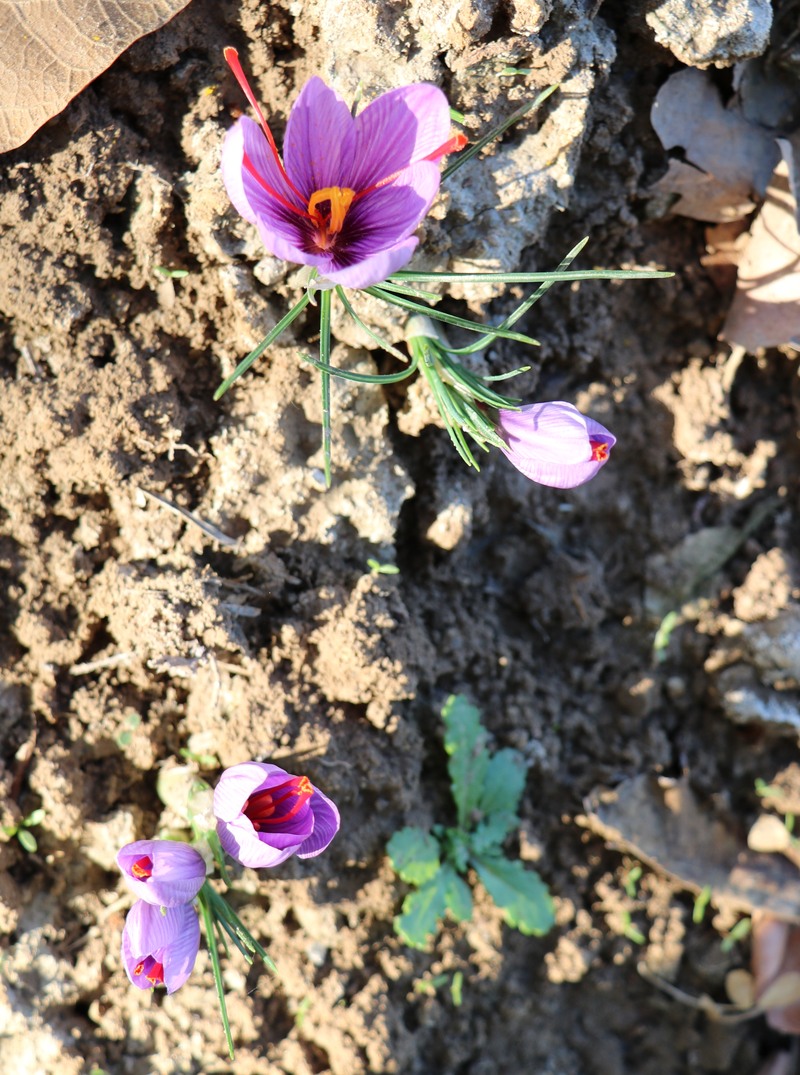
(422, 911)
(414, 854)
(503, 783)
(465, 742)
(458, 895)
(456, 989)
(521, 893)
(271, 336)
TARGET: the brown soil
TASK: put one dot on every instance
(129, 634)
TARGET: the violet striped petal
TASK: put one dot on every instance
(160, 947)
(326, 825)
(373, 268)
(397, 129)
(320, 140)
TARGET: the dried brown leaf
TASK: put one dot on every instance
(732, 158)
(664, 824)
(765, 311)
(51, 49)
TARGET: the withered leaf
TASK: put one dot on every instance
(51, 49)
(663, 823)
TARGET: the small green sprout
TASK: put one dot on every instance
(202, 761)
(22, 831)
(456, 989)
(171, 274)
(701, 902)
(765, 790)
(630, 931)
(377, 568)
(486, 790)
(631, 881)
(132, 722)
(738, 933)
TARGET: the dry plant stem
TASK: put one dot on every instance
(207, 528)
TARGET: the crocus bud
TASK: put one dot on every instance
(162, 872)
(159, 945)
(265, 815)
(554, 444)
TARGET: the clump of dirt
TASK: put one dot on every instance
(175, 576)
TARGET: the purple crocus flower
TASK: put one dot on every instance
(350, 191)
(162, 872)
(554, 444)
(159, 946)
(265, 815)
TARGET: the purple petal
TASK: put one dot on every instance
(178, 871)
(320, 140)
(241, 841)
(551, 443)
(397, 129)
(171, 938)
(178, 959)
(372, 269)
(250, 197)
(326, 825)
(389, 214)
(238, 783)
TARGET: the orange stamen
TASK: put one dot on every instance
(334, 203)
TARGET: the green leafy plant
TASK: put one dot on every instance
(22, 831)
(486, 788)
(377, 568)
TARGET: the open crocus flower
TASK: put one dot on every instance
(265, 815)
(162, 872)
(554, 444)
(159, 946)
(350, 191)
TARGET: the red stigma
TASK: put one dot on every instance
(156, 974)
(599, 451)
(232, 59)
(261, 808)
(452, 145)
(142, 869)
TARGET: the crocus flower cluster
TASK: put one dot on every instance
(350, 191)
(264, 815)
(554, 444)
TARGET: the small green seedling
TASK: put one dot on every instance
(738, 933)
(701, 902)
(23, 830)
(171, 274)
(125, 737)
(486, 790)
(377, 568)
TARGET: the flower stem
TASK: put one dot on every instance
(203, 898)
(325, 360)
